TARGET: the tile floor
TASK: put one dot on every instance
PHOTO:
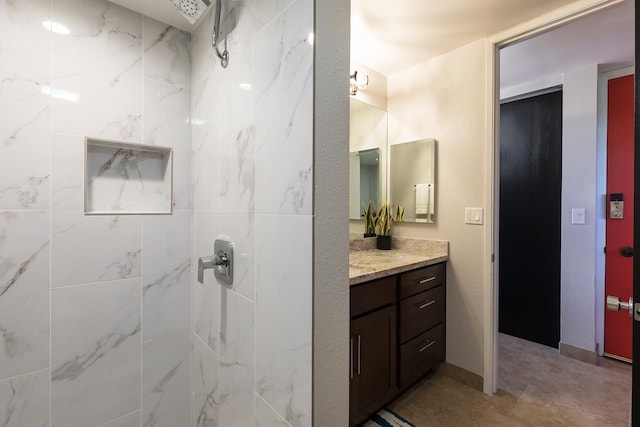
(536, 387)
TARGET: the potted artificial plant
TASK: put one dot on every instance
(386, 216)
(370, 215)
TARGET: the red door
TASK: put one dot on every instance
(619, 260)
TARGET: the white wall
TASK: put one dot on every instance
(445, 99)
(579, 177)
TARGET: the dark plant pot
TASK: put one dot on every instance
(369, 234)
(384, 242)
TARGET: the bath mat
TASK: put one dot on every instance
(388, 418)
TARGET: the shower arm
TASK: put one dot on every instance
(224, 56)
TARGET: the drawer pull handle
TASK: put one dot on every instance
(426, 304)
(430, 279)
(430, 343)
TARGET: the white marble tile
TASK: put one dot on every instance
(236, 372)
(203, 59)
(204, 383)
(284, 135)
(24, 133)
(24, 400)
(97, 28)
(268, 10)
(166, 274)
(24, 292)
(129, 420)
(166, 123)
(236, 144)
(205, 297)
(97, 70)
(89, 249)
(204, 143)
(167, 53)
(283, 314)
(240, 229)
(266, 416)
(96, 352)
(21, 23)
(165, 381)
(67, 172)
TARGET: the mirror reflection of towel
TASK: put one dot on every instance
(424, 199)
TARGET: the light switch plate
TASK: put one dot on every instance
(578, 216)
(474, 216)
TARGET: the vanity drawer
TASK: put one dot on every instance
(421, 354)
(371, 295)
(420, 280)
(421, 312)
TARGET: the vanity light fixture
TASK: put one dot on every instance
(358, 81)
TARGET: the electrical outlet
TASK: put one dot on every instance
(474, 216)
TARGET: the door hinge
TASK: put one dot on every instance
(493, 257)
(636, 311)
(604, 249)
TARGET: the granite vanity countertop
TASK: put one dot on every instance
(373, 264)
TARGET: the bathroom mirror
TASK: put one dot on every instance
(412, 179)
(367, 156)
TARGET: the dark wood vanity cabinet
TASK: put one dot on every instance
(397, 336)
(421, 323)
(372, 366)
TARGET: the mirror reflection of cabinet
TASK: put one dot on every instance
(412, 179)
(367, 156)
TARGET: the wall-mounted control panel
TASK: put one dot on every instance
(616, 206)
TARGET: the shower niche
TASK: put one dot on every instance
(127, 178)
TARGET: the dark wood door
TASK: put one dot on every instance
(530, 218)
(374, 363)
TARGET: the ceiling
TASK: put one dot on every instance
(392, 37)
(604, 37)
(161, 10)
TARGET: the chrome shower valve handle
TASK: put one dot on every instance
(221, 262)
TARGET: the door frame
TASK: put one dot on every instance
(601, 223)
(494, 43)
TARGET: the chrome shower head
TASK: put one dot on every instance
(192, 10)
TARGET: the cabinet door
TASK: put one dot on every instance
(373, 362)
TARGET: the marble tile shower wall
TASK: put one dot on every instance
(94, 311)
(253, 155)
